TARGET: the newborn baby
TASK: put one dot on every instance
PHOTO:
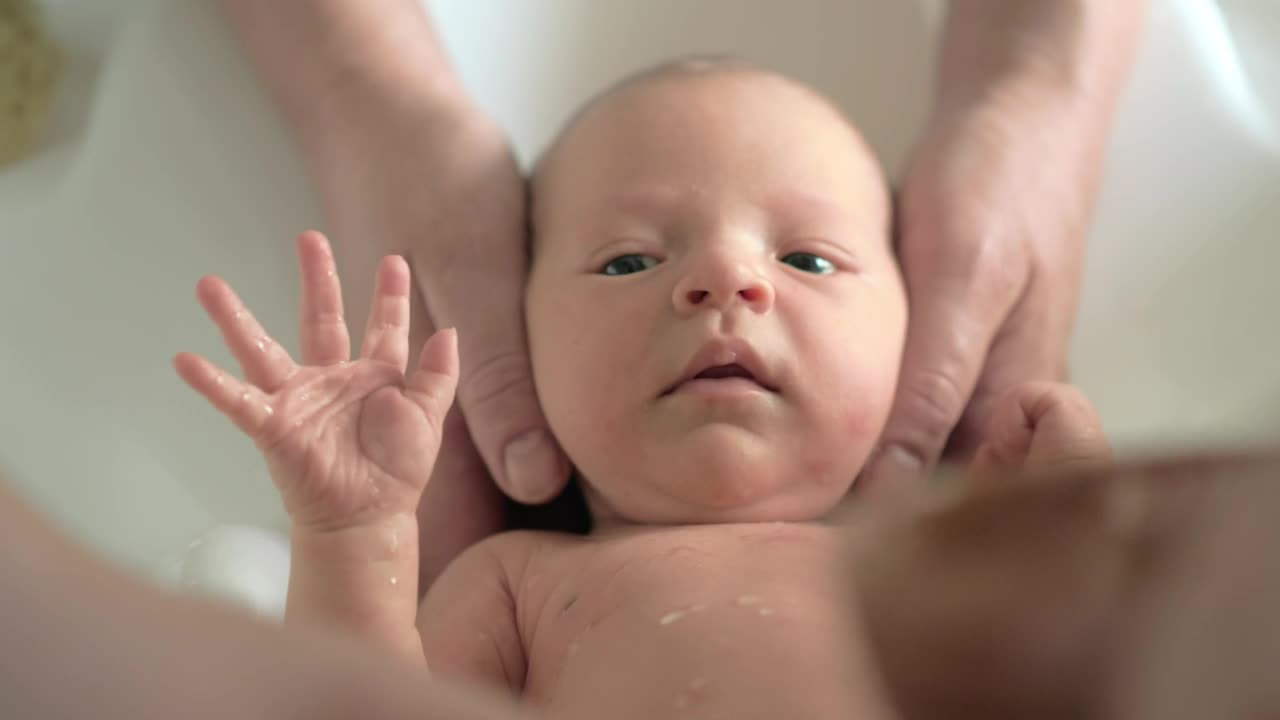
(715, 320)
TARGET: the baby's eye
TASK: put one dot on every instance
(628, 264)
(810, 263)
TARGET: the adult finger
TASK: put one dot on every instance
(1030, 347)
(496, 388)
(325, 340)
(957, 305)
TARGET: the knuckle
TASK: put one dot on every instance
(929, 406)
(491, 385)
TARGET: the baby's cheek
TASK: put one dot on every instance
(869, 393)
(862, 423)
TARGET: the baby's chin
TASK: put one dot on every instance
(707, 482)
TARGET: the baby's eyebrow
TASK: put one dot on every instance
(807, 205)
(648, 199)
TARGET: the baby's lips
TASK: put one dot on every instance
(725, 353)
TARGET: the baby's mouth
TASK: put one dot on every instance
(729, 374)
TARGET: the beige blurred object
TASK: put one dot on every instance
(1147, 590)
(30, 66)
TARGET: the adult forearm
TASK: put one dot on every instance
(324, 60)
(1072, 54)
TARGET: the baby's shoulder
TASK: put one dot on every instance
(515, 552)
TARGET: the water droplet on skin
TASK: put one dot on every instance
(244, 397)
(691, 694)
(240, 314)
(262, 344)
(766, 611)
(219, 379)
(394, 580)
(270, 410)
(747, 600)
(330, 273)
(677, 615)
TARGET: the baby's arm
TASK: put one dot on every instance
(363, 578)
(1040, 428)
(350, 443)
(469, 620)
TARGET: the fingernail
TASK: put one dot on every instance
(894, 465)
(535, 472)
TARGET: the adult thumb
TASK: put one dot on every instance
(495, 387)
(948, 336)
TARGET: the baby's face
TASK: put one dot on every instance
(715, 315)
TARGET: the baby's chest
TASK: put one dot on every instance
(686, 612)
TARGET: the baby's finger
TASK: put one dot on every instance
(244, 404)
(386, 336)
(264, 362)
(433, 384)
(1068, 435)
(988, 467)
(1046, 427)
(325, 340)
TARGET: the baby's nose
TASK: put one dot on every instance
(723, 286)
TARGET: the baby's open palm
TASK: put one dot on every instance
(347, 442)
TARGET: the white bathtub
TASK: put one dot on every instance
(165, 162)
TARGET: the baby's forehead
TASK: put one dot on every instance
(654, 94)
(704, 100)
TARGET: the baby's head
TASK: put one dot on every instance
(714, 309)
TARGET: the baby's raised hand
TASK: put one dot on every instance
(1042, 427)
(347, 442)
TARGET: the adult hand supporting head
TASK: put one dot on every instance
(407, 163)
(994, 211)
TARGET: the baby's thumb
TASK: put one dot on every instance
(433, 384)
